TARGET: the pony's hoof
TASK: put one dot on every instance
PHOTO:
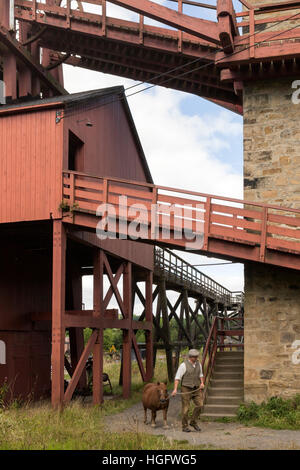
(166, 426)
(153, 425)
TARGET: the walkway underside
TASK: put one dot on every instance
(210, 59)
(184, 220)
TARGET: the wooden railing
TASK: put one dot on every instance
(69, 14)
(215, 342)
(181, 216)
(168, 262)
(259, 24)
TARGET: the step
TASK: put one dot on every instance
(223, 400)
(229, 362)
(225, 392)
(231, 383)
(234, 354)
(219, 375)
(229, 367)
(222, 410)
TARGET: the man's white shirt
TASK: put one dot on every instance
(182, 370)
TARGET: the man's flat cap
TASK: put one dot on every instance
(193, 352)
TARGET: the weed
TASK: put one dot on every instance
(276, 413)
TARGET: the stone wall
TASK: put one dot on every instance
(272, 175)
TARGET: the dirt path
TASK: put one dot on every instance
(217, 435)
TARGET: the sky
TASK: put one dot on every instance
(189, 142)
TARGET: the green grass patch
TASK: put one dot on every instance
(276, 413)
(38, 427)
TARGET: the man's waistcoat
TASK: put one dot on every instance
(191, 377)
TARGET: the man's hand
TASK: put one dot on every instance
(202, 386)
(174, 393)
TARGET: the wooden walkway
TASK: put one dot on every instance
(185, 220)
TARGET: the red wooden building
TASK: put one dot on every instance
(43, 259)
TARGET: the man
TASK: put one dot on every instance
(190, 375)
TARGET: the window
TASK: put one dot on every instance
(76, 153)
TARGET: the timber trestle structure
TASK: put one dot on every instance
(171, 273)
(199, 300)
(98, 319)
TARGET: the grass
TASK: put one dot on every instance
(276, 413)
(36, 426)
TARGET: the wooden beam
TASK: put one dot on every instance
(58, 308)
(149, 318)
(138, 358)
(204, 29)
(80, 367)
(127, 334)
(24, 55)
(98, 313)
(166, 328)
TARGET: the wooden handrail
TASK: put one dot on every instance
(183, 191)
(212, 346)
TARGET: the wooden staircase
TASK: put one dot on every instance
(223, 368)
(226, 386)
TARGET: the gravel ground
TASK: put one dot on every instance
(213, 434)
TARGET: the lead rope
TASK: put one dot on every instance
(184, 393)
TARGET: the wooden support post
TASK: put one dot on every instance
(206, 315)
(148, 334)
(187, 315)
(6, 14)
(25, 82)
(104, 17)
(179, 31)
(25, 75)
(99, 313)
(36, 83)
(58, 310)
(74, 302)
(166, 328)
(180, 335)
(156, 336)
(127, 334)
(10, 76)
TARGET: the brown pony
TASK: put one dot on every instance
(155, 397)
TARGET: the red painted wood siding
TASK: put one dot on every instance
(109, 146)
(30, 166)
(110, 149)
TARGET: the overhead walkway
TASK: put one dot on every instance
(185, 220)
